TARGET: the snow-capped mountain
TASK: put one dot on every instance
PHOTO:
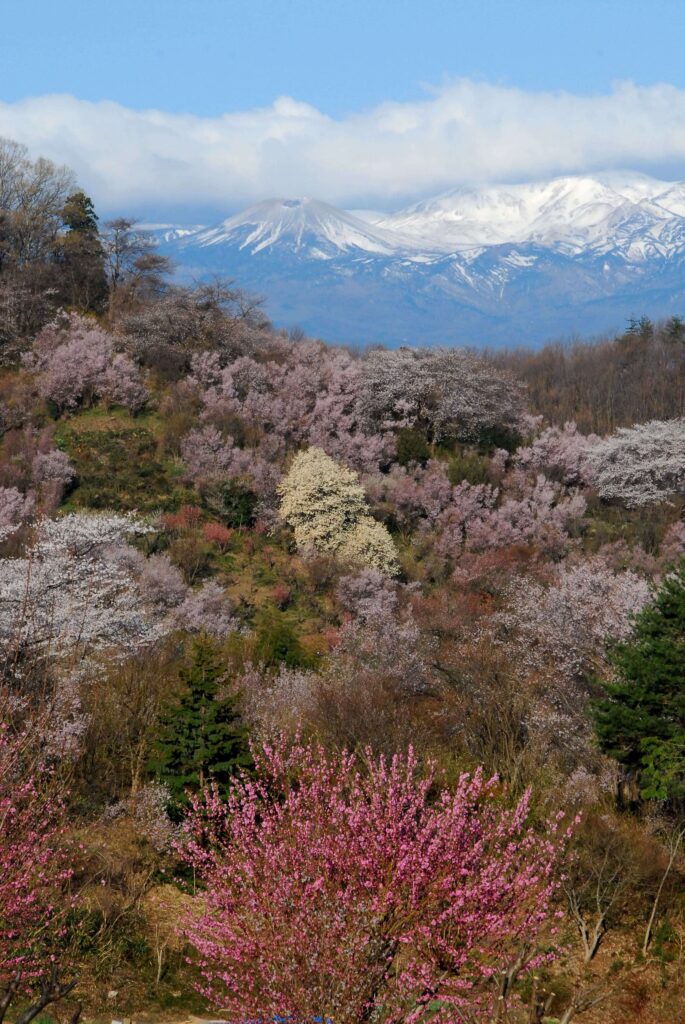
(569, 214)
(169, 232)
(501, 264)
(306, 227)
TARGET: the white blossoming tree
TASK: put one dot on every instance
(70, 593)
(15, 508)
(640, 465)
(326, 506)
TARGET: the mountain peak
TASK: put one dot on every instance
(302, 225)
(572, 213)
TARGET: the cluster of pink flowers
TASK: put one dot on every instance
(32, 465)
(525, 508)
(76, 363)
(335, 885)
(211, 457)
(298, 394)
(448, 392)
(543, 517)
(413, 495)
(560, 452)
(568, 623)
(207, 610)
(33, 871)
(15, 508)
(367, 595)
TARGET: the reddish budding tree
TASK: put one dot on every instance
(33, 876)
(336, 886)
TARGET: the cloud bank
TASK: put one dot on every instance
(463, 132)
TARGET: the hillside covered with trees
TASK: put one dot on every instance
(345, 684)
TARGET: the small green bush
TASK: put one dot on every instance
(277, 642)
(467, 464)
(231, 502)
(412, 446)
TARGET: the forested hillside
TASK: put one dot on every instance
(334, 683)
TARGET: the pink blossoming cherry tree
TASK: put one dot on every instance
(338, 886)
(33, 875)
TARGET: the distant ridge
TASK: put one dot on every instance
(494, 265)
(572, 214)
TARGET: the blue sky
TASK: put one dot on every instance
(361, 103)
(209, 56)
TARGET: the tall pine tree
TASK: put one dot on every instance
(201, 737)
(81, 256)
(641, 722)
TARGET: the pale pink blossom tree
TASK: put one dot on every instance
(673, 544)
(52, 465)
(161, 583)
(298, 393)
(15, 509)
(559, 452)
(447, 392)
(207, 610)
(564, 627)
(76, 363)
(367, 595)
(73, 593)
(543, 517)
(415, 495)
(121, 384)
(210, 457)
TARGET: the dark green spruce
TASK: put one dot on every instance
(201, 736)
(641, 721)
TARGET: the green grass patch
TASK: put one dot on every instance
(118, 464)
(607, 524)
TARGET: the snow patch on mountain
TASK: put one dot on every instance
(170, 232)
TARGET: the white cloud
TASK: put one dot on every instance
(463, 132)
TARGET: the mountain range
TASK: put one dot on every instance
(494, 265)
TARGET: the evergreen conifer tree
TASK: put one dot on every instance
(81, 256)
(641, 721)
(79, 214)
(201, 738)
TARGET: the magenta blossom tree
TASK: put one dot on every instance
(33, 875)
(337, 885)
